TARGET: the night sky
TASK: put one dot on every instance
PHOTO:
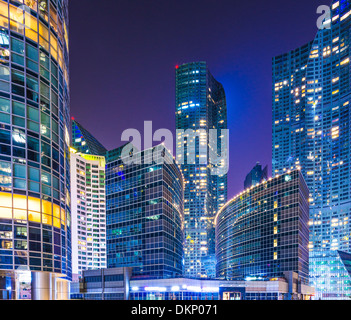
(123, 56)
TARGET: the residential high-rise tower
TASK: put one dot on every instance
(88, 212)
(311, 130)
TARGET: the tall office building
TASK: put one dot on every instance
(311, 130)
(88, 212)
(263, 232)
(200, 107)
(35, 222)
(145, 214)
(256, 176)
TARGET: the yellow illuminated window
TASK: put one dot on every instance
(54, 53)
(56, 211)
(4, 22)
(34, 216)
(275, 217)
(275, 256)
(57, 223)
(4, 10)
(345, 61)
(276, 243)
(47, 219)
(44, 43)
(60, 57)
(63, 215)
(65, 35)
(31, 34)
(46, 208)
(275, 230)
(43, 31)
(16, 14)
(31, 22)
(275, 204)
(6, 244)
(5, 213)
(19, 214)
(53, 41)
(33, 204)
(19, 202)
(17, 19)
(6, 200)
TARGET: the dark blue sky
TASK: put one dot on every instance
(123, 55)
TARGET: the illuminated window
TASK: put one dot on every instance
(19, 202)
(34, 216)
(5, 213)
(63, 216)
(6, 200)
(47, 219)
(57, 223)
(46, 207)
(19, 214)
(34, 204)
(56, 211)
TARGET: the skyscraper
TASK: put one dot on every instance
(145, 214)
(200, 108)
(83, 141)
(35, 222)
(88, 201)
(88, 212)
(311, 130)
(256, 175)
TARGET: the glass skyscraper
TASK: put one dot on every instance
(35, 223)
(200, 107)
(263, 232)
(145, 214)
(311, 130)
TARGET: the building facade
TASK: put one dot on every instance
(311, 129)
(145, 214)
(88, 212)
(200, 108)
(263, 232)
(118, 284)
(35, 222)
(256, 176)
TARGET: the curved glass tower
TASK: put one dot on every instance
(262, 233)
(311, 129)
(35, 236)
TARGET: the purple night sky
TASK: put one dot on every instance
(123, 56)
